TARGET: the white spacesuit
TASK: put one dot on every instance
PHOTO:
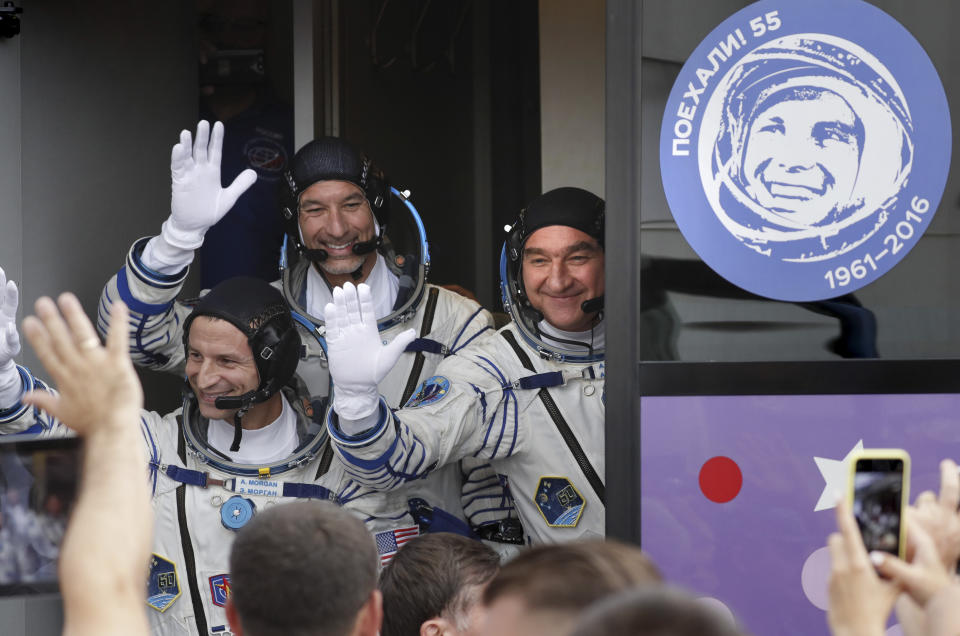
(530, 399)
(156, 268)
(202, 491)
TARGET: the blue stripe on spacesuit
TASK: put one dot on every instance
(345, 496)
(483, 409)
(498, 496)
(453, 347)
(468, 476)
(406, 474)
(16, 410)
(495, 373)
(139, 350)
(508, 395)
(146, 309)
(363, 439)
(370, 464)
(154, 453)
(147, 275)
(481, 485)
(516, 424)
(380, 479)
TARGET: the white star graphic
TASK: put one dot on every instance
(835, 473)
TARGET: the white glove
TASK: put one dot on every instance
(358, 359)
(198, 201)
(11, 386)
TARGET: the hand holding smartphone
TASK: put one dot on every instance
(879, 493)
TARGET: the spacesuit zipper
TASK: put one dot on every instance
(418, 361)
(573, 445)
(325, 460)
(190, 563)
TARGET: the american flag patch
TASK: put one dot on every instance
(389, 541)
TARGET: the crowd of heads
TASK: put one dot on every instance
(445, 584)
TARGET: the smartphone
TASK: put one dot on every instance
(879, 493)
(38, 487)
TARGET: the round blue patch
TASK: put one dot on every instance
(236, 512)
(430, 390)
(820, 137)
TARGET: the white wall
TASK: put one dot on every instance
(572, 58)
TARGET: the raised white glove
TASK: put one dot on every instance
(198, 200)
(11, 386)
(358, 358)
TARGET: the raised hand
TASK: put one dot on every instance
(10, 383)
(198, 200)
(860, 601)
(358, 358)
(938, 515)
(925, 574)
(9, 340)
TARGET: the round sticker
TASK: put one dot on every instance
(820, 138)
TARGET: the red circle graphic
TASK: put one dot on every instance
(720, 479)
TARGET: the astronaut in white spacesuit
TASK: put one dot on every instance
(245, 439)
(336, 204)
(530, 399)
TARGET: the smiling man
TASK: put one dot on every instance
(530, 399)
(245, 440)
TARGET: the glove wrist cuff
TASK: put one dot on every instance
(180, 238)
(162, 257)
(356, 405)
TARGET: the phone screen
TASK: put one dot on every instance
(877, 496)
(38, 486)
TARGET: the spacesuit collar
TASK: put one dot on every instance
(559, 339)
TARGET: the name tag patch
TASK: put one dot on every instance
(163, 585)
(559, 502)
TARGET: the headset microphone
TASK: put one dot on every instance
(592, 306)
(231, 402)
(315, 256)
(365, 247)
(360, 248)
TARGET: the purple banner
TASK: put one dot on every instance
(735, 500)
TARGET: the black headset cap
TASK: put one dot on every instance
(259, 311)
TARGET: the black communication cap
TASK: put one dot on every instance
(573, 207)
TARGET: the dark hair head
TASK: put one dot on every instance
(434, 575)
(569, 577)
(302, 568)
(652, 611)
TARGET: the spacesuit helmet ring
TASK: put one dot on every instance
(566, 206)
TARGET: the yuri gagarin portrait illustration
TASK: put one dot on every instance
(804, 147)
